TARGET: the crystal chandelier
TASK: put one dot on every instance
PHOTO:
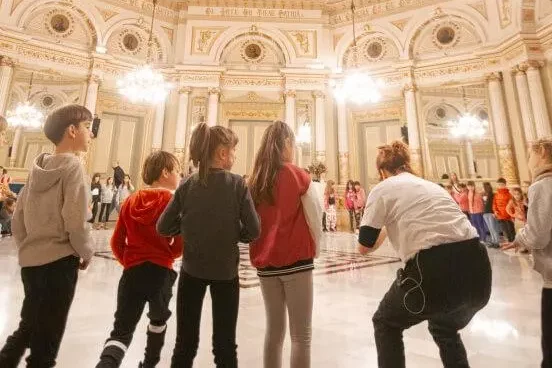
(468, 126)
(25, 115)
(304, 134)
(144, 84)
(357, 87)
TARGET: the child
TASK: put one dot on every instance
(95, 192)
(53, 237)
(517, 208)
(475, 205)
(213, 211)
(124, 191)
(330, 206)
(148, 259)
(349, 199)
(536, 234)
(500, 202)
(5, 178)
(360, 202)
(6, 214)
(489, 217)
(462, 199)
(108, 191)
(284, 253)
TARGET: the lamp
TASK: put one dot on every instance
(467, 126)
(144, 84)
(356, 86)
(25, 115)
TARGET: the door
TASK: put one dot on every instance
(250, 134)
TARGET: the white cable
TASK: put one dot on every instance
(418, 285)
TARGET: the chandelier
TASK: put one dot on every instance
(468, 126)
(356, 86)
(144, 84)
(25, 115)
(304, 134)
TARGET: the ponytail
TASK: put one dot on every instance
(394, 158)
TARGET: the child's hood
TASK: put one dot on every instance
(146, 205)
(48, 169)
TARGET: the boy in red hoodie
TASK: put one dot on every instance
(500, 202)
(148, 259)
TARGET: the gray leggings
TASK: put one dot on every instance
(294, 292)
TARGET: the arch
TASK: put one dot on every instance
(230, 34)
(385, 30)
(434, 104)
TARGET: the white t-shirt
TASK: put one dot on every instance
(418, 214)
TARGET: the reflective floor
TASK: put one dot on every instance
(348, 288)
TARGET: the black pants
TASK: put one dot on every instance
(546, 325)
(225, 297)
(352, 219)
(94, 211)
(456, 281)
(508, 229)
(145, 283)
(49, 292)
(107, 208)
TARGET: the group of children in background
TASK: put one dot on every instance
(107, 197)
(491, 213)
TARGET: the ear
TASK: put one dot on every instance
(71, 131)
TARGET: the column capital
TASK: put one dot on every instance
(185, 90)
(290, 93)
(534, 64)
(7, 61)
(94, 78)
(318, 94)
(410, 87)
(493, 77)
(214, 91)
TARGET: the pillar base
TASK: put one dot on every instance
(507, 164)
(343, 167)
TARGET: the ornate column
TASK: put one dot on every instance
(182, 124)
(212, 116)
(502, 130)
(6, 75)
(290, 109)
(320, 116)
(342, 142)
(158, 124)
(15, 146)
(525, 104)
(470, 159)
(538, 101)
(92, 88)
(412, 124)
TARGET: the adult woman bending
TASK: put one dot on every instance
(447, 277)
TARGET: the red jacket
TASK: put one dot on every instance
(475, 202)
(135, 239)
(500, 202)
(285, 236)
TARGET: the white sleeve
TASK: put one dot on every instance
(313, 214)
(537, 231)
(375, 212)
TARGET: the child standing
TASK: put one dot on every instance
(462, 199)
(488, 215)
(330, 206)
(108, 192)
(124, 191)
(95, 192)
(53, 237)
(349, 199)
(475, 201)
(284, 253)
(212, 234)
(500, 202)
(517, 208)
(148, 259)
(360, 202)
(6, 214)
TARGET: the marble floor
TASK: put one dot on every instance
(347, 287)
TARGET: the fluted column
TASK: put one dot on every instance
(470, 159)
(412, 124)
(290, 110)
(501, 129)
(212, 115)
(525, 105)
(158, 126)
(342, 142)
(182, 125)
(6, 76)
(92, 89)
(320, 112)
(15, 146)
(538, 101)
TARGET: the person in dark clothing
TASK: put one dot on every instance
(95, 192)
(489, 216)
(118, 180)
(213, 211)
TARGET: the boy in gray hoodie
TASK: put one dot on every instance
(51, 231)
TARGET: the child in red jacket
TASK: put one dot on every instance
(148, 259)
(500, 203)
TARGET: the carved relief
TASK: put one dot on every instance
(304, 42)
(505, 11)
(401, 23)
(507, 164)
(199, 110)
(481, 8)
(132, 42)
(248, 81)
(106, 13)
(204, 38)
(371, 49)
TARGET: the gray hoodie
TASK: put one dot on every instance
(537, 233)
(49, 222)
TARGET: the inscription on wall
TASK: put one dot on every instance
(234, 12)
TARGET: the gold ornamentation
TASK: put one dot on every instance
(304, 42)
(204, 38)
(507, 164)
(401, 23)
(6, 61)
(185, 90)
(107, 14)
(249, 81)
(290, 93)
(505, 9)
(213, 91)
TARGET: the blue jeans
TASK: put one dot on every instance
(494, 228)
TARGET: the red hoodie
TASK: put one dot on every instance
(136, 240)
(500, 202)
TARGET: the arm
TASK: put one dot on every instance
(495, 206)
(18, 221)
(510, 208)
(366, 236)
(372, 231)
(251, 224)
(74, 212)
(169, 221)
(118, 240)
(537, 232)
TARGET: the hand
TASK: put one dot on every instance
(83, 265)
(508, 246)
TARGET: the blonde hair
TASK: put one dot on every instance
(545, 145)
(329, 188)
(394, 158)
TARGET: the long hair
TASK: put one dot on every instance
(394, 158)
(204, 142)
(269, 160)
(487, 188)
(329, 188)
(350, 184)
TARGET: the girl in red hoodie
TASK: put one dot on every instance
(283, 254)
(148, 259)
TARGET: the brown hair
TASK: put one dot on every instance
(471, 183)
(518, 190)
(545, 145)
(9, 201)
(63, 117)
(394, 158)
(155, 163)
(268, 161)
(329, 190)
(204, 142)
